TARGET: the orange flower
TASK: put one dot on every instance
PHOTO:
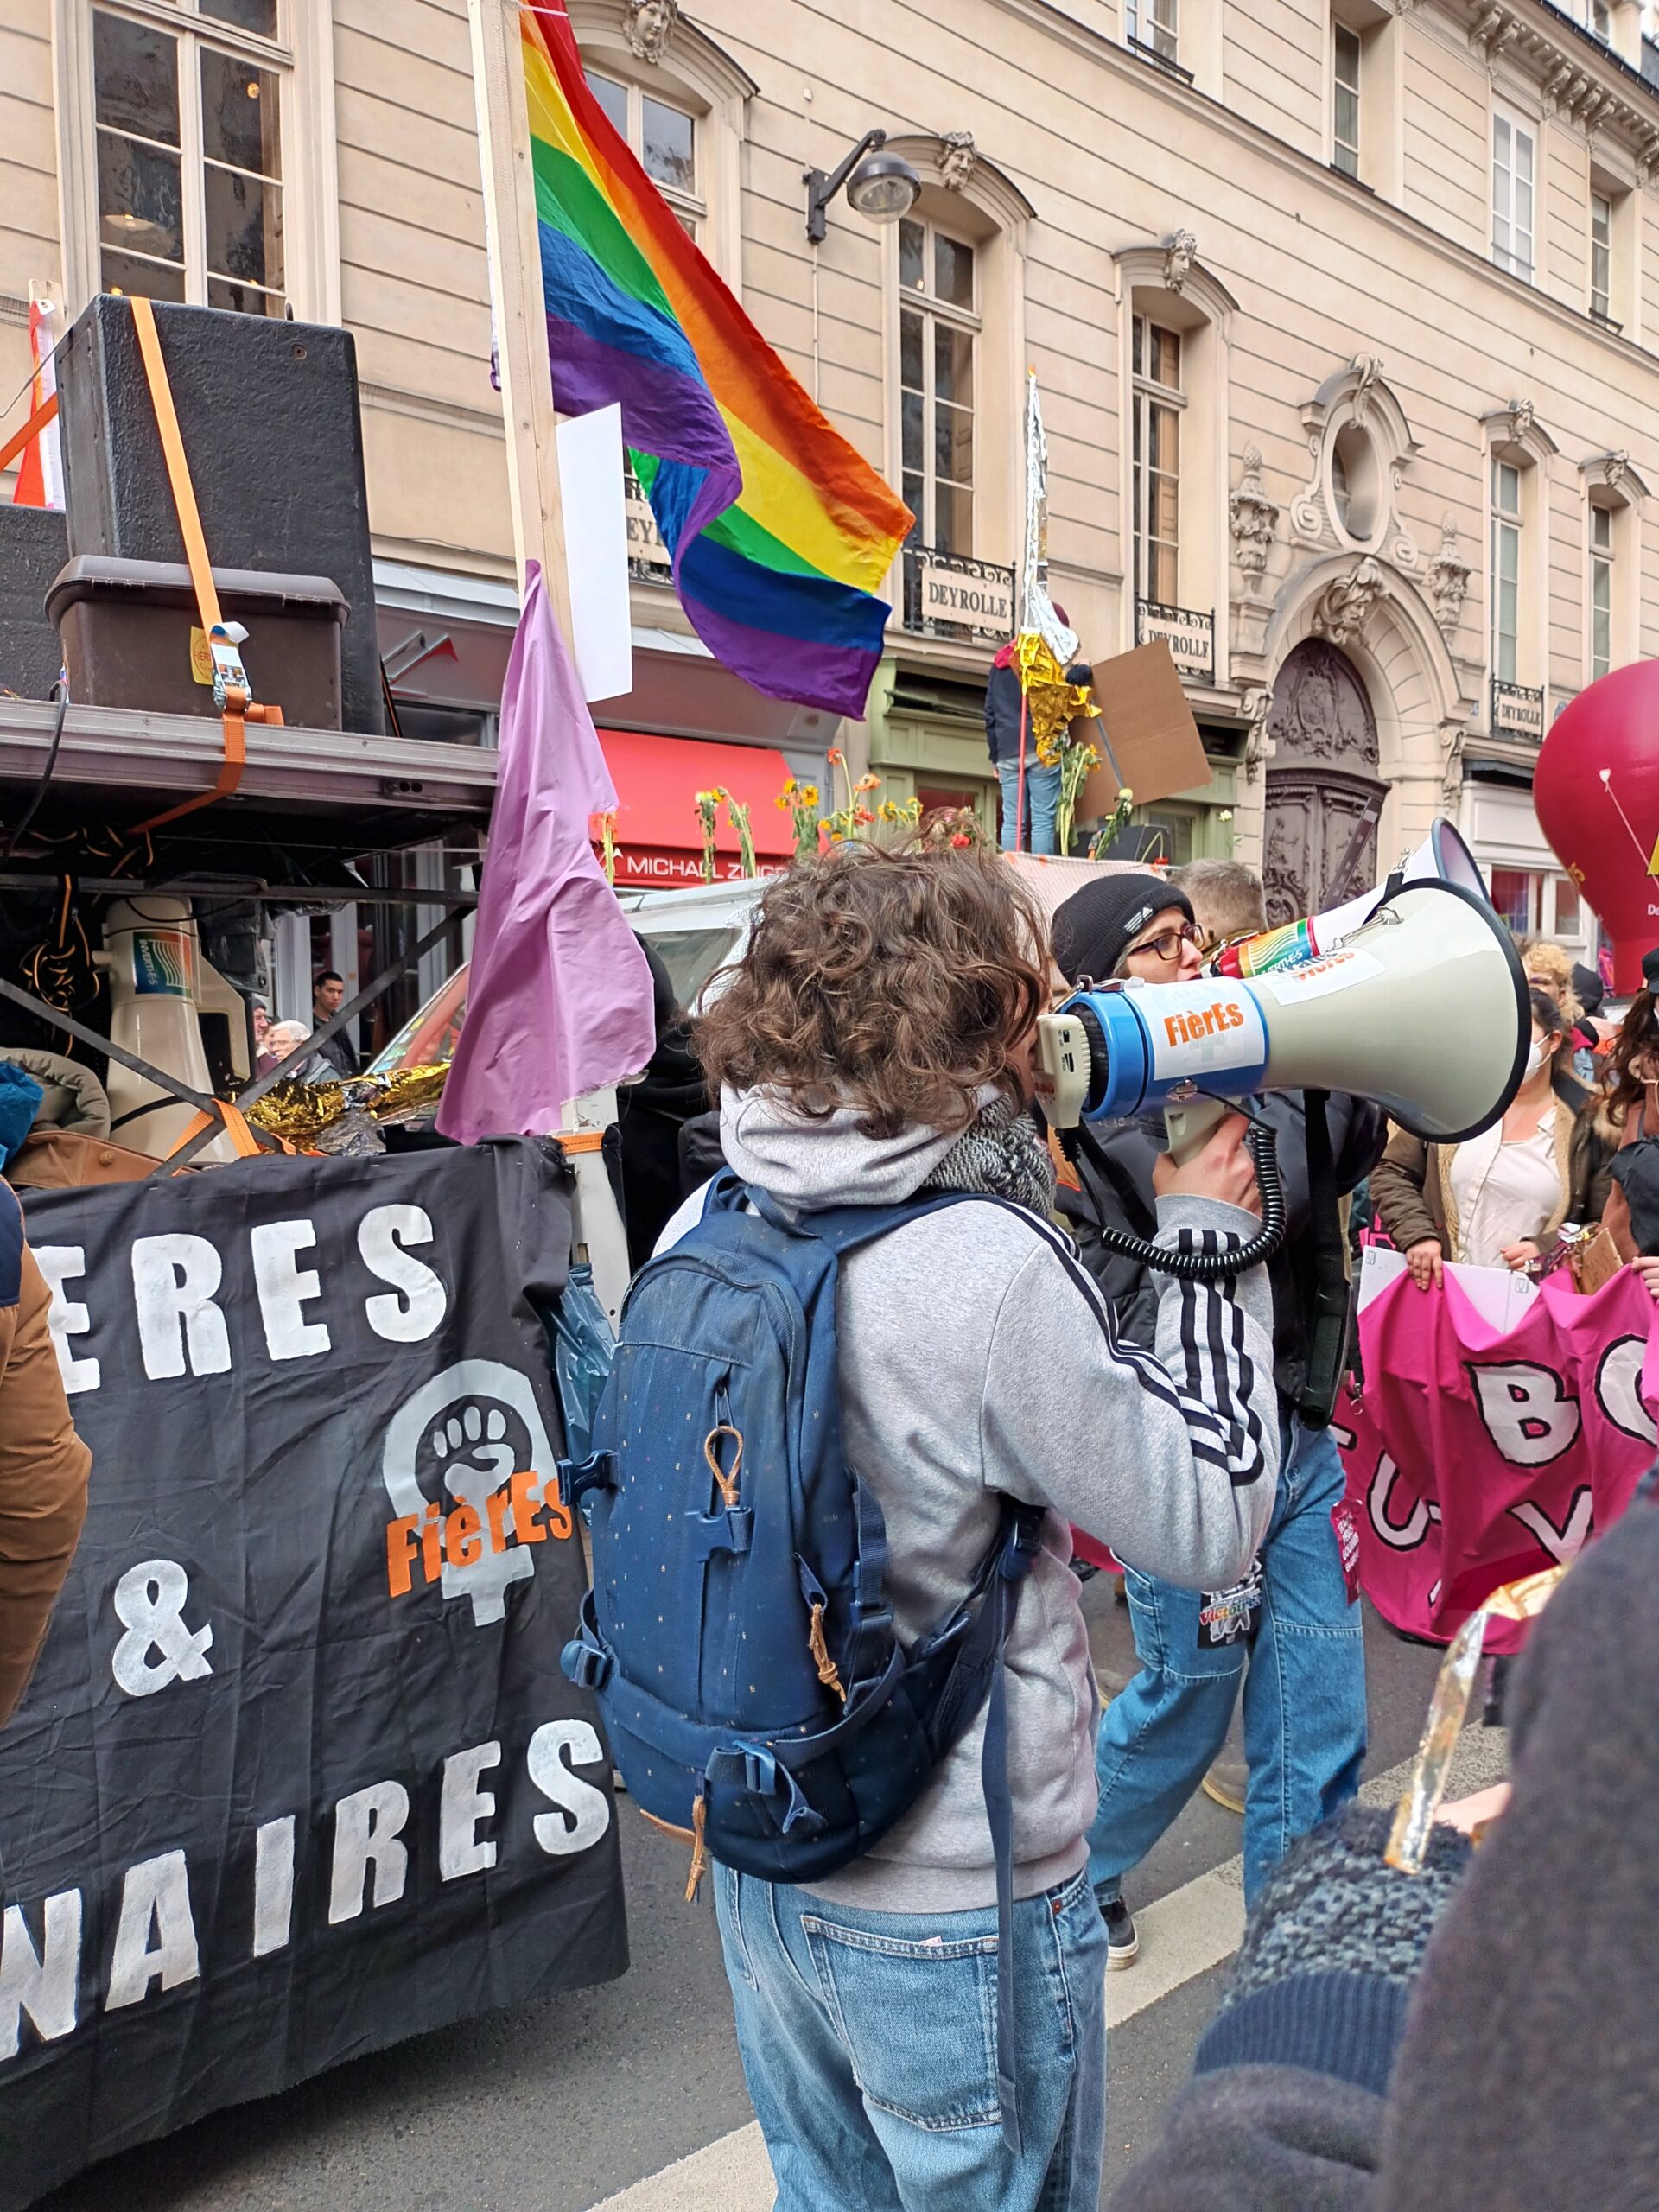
(863, 816)
(867, 784)
(960, 839)
(834, 756)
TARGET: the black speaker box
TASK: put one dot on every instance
(34, 546)
(269, 415)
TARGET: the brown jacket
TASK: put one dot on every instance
(44, 1466)
(1411, 1184)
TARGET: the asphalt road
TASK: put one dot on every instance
(563, 2106)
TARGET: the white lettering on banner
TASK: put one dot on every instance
(176, 1283)
(43, 1983)
(285, 1289)
(367, 1825)
(62, 1263)
(1618, 1388)
(149, 1601)
(461, 1806)
(155, 1895)
(1528, 1414)
(1566, 1543)
(273, 1886)
(1202, 1029)
(174, 1279)
(41, 1980)
(419, 1309)
(1399, 1535)
(586, 1811)
(1316, 979)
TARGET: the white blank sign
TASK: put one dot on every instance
(596, 551)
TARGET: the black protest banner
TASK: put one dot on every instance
(298, 1775)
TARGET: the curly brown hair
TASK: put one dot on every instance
(899, 983)
(1635, 1059)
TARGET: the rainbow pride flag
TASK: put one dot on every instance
(780, 533)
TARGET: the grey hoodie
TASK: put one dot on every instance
(976, 1356)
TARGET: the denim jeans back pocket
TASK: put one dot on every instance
(918, 2019)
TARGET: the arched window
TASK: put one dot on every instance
(955, 288)
(1519, 451)
(681, 106)
(1175, 323)
(1613, 495)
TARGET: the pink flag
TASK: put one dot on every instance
(559, 998)
(1478, 1455)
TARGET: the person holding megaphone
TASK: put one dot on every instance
(1304, 1725)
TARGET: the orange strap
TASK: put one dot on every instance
(238, 709)
(236, 1127)
(45, 413)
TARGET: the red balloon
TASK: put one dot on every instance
(1596, 791)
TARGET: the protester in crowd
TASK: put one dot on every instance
(651, 1114)
(44, 1466)
(1590, 993)
(1004, 715)
(1226, 897)
(259, 1021)
(281, 1038)
(1304, 1699)
(1628, 1120)
(328, 996)
(1357, 2066)
(874, 1044)
(1498, 1199)
(1549, 967)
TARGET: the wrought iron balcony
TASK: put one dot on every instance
(1190, 635)
(1517, 711)
(948, 596)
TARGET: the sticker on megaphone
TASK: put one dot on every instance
(1201, 1029)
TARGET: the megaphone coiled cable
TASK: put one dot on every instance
(1193, 1267)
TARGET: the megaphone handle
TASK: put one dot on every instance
(1189, 1127)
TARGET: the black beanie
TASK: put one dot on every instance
(1095, 926)
(1649, 966)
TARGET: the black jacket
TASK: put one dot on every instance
(1002, 710)
(1358, 1133)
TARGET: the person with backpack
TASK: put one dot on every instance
(835, 1634)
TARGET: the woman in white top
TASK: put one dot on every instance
(1497, 1200)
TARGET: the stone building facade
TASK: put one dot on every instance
(1343, 312)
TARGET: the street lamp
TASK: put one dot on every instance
(881, 186)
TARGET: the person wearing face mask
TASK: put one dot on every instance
(1304, 1695)
(1498, 1199)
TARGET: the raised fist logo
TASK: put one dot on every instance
(466, 1434)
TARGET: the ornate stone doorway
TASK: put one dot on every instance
(1322, 787)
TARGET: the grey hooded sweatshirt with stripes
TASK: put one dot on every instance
(976, 1356)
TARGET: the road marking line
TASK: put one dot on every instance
(1183, 1936)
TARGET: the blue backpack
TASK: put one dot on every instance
(738, 1635)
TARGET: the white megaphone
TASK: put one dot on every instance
(1423, 1008)
(1442, 857)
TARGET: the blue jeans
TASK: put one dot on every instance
(1042, 796)
(1304, 1696)
(869, 2045)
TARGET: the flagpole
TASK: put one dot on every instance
(516, 287)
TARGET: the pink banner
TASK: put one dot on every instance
(1478, 1453)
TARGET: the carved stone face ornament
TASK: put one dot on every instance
(958, 159)
(649, 26)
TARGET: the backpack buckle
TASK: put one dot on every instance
(761, 1773)
(1022, 1541)
(587, 1665)
(577, 1477)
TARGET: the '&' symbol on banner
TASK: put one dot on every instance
(149, 1601)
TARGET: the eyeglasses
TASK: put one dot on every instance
(1167, 943)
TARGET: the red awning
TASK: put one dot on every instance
(658, 837)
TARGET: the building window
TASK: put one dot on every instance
(1156, 470)
(1601, 591)
(189, 154)
(1512, 179)
(938, 321)
(1601, 257)
(1506, 569)
(1153, 24)
(662, 135)
(1345, 100)
(1515, 898)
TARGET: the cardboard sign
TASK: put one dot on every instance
(1148, 726)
